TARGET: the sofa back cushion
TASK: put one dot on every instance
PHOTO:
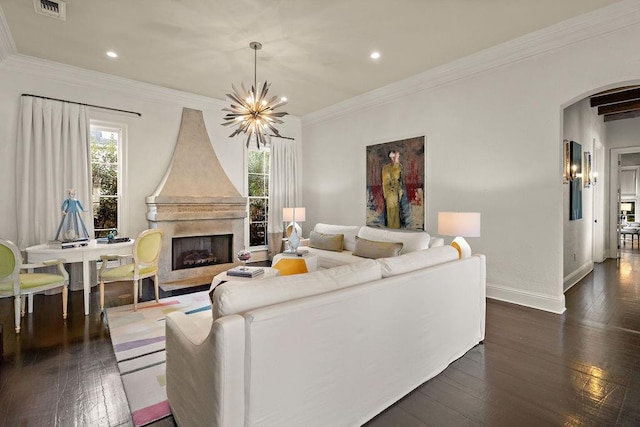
(235, 297)
(327, 242)
(349, 232)
(373, 249)
(411, 240)
(417, 260)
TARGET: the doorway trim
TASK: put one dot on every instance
(614, 184)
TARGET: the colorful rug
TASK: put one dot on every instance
(138, 340)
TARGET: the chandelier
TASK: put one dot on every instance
(251, 111)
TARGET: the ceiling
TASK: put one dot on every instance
(314, 52)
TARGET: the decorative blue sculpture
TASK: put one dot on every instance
(71, 225)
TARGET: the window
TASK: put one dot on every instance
(106, 143)
(258, 194)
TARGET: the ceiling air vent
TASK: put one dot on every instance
(52, 8)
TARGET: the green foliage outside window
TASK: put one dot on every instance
(258, 171)
(104, 171)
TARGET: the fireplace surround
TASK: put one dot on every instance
(192, 205)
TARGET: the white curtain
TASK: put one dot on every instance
(53, 155)
(284, 189)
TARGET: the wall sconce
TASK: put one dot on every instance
(591, 177)
(566, 164)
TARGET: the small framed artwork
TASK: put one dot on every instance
(575, 187)
(396, 184)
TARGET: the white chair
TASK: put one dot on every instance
(146, 252)
(17, 284)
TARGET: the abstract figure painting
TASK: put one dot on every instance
(395, 184)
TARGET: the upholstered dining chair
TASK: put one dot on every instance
(145, 253)
(15, 283)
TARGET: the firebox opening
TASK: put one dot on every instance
(200, 251)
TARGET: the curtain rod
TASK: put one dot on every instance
(86, 105)
(283, 137)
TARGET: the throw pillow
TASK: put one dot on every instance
(327, 242)
(373, 249)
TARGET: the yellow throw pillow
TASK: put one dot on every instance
(373, 249)
(327, 242)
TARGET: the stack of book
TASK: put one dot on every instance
(105, 240)
(245, 271)
(58, 244)
(299, 252)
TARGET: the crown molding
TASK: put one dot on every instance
(81, 77)
(7, 45)
(583, 27)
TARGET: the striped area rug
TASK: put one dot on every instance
(138, 340)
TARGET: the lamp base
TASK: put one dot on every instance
(464, 250)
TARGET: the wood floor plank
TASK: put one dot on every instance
(535, 368)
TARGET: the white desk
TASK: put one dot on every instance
(92, 252)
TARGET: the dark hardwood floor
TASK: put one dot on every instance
(535, 368)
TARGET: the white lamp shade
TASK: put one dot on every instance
(626, 207)
(293, 214)
(464, 224)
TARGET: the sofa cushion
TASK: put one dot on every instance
(349, 232)
(417, 260)
(234, 297)
(373, 249)
(330, 259)
(412, 240)
(327, 242)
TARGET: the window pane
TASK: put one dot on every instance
(105, 213)
(257, 234)
(255, 162)
(257, 210)
(267, 155)
(257, 185)
(105, 179)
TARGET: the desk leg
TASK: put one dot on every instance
(86, 284)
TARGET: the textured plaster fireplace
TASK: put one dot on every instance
(197, 202)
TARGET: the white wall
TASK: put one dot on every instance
(493, 146)
(151, 138)
(582, 125)
(623, 133)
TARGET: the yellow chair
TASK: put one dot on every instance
(16, 284)
(146, 251)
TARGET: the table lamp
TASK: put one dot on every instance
(460, 225)
(624, 208)
(293, 230)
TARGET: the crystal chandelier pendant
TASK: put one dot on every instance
(251, 111)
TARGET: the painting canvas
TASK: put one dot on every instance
(575, 187)
(396, 184)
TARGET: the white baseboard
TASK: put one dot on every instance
(577, 275)
(526, 298)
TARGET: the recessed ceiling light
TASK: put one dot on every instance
(112, 54)
(283, 99)
(375, 55)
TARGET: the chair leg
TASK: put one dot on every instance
(23, 304)
(101, 295)
(135, 295)
(17, 307)
(65, 298)
(155, 285)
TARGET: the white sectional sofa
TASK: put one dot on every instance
(333, 347)
(412, 241)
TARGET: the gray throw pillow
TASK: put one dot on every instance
(327, 242)
(372, 249)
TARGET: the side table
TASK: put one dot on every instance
(222, 277)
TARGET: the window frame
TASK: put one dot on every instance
(264, 247)
(123, 210)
